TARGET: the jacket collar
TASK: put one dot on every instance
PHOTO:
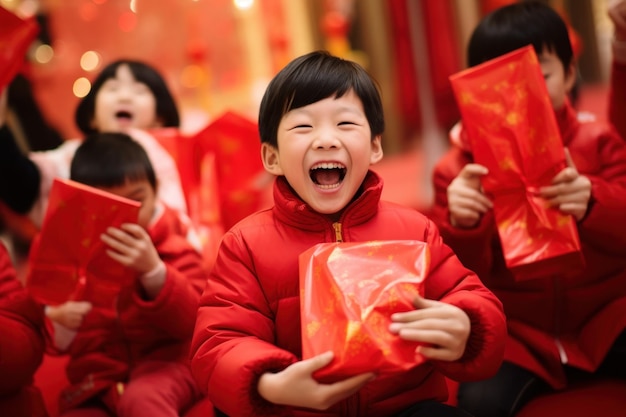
(291, 209)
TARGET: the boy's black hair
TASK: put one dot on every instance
(314, 77)
(516, 25)
(111, 160)
(166, 110)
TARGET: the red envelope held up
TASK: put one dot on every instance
(512, 129)
(67, 260)
(348, 292)
(16, 35)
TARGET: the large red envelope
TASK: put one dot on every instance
(234, 140)
(198, 175)
(16, 35)
(511, 125)
(67, 260)
(348, 292)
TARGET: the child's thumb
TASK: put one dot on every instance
(421, 302)
(83, 307)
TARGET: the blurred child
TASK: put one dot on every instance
(566, 322)
(21, 345)
(617, 102)
(321, 124)
(127, 96)
(132, 361)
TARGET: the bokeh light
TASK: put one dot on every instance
(90, 61)
(43, 53)
(81, 87)
(243, 4)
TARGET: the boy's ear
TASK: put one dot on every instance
(270, 158)
(377, 150)
(570, 77)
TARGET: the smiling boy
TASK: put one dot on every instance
(321, 122)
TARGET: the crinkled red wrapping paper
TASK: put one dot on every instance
(16, 35)
(67, 260)
(509, 120)
(348, 292)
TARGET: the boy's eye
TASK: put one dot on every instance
(301, 127)
(346, 123)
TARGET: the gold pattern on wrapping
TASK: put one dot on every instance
(465, 97)
(513, 118)
(356, 340)
(312, 328)
(507, 164)
(562, 220)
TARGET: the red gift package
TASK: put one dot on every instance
(348, 292)
(16, 35)
(510, 123)
(67, 260)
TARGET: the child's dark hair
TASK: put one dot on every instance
(517, 25)
(166, 110)
(314, 77)
(110, 160)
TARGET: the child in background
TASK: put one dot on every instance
(567, 324)
(617, 99)
(321, 123)
(132, 361)
(127, 96)
(21, 345)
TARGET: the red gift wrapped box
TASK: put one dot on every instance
(510, 123)
(67, 260)
(16, 35)
(348, 292)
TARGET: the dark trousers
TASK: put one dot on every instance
(513, 387)
(423, 409)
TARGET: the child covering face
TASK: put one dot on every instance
(564, 322)
(321, 125)
(132, 360)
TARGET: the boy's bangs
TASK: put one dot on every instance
(315, 90)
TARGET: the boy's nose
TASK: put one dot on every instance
(326, 139)
(125, 93)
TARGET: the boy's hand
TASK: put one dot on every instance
(466, 201)
(295, 386)
(69, 314)
(570, 191)
(441, 327)
(131, 246)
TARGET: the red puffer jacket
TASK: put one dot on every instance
(249, 318)
(21, 345)
(617, 98)
(574, 318)
(109, 343)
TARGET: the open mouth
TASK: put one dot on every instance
(124, 115)
(327, 174)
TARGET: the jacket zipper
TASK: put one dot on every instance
(338, 234)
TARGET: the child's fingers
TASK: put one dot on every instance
(471, 171)
(134, 230)
(569, 160)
